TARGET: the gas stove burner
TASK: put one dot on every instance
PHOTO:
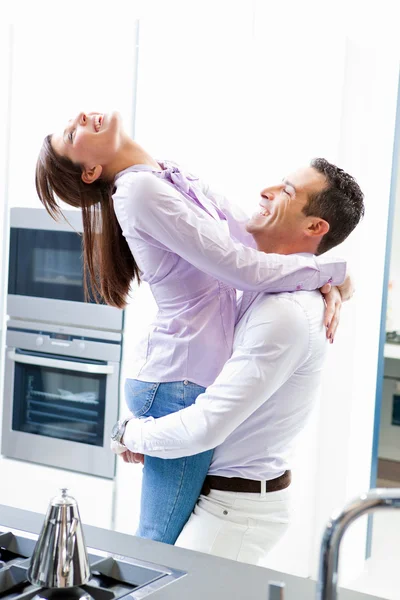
(72, 593)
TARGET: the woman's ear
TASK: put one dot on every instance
(91, 175)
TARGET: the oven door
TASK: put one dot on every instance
(62, 411)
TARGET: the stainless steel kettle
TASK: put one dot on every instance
(60, 558)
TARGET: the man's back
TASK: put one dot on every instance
(278, 354)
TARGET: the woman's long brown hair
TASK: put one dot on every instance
(109, 266)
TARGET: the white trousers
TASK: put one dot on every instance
(237, 525)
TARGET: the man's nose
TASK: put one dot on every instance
(268, 194)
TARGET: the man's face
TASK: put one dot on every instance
(280, 223)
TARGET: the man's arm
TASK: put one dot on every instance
(274, 345)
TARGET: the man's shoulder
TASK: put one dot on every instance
(308, 304)
(298, 312)
(292, 320)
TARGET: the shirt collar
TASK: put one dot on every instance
(163, 165)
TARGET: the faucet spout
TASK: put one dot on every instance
(337, 525)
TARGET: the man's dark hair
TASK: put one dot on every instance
(341, 204)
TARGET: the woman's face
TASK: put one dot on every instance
(90, 139)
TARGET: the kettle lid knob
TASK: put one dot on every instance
(64, 499)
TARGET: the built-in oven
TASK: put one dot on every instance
(61, 396)
(45, 280)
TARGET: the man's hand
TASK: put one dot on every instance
(133, 457)
(333, 301)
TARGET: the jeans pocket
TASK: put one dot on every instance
(139, 396)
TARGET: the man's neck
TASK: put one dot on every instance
(285, 248)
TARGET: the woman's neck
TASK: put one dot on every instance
(129, 153)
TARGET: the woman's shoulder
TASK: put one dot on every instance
(141, 186)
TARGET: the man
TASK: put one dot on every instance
(262, 398)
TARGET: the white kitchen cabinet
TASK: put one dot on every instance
(30, 487)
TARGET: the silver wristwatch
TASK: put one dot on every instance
(118, 430)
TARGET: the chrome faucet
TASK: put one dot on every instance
(337, 525)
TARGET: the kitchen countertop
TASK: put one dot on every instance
(209, 578)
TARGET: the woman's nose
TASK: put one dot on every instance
(82, 118)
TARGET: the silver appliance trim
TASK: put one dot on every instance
(39, 218)
(36, 326)
(60, 364)
(65, 312)
(93, 349)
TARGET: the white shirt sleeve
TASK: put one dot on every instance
(152, 209)
(269, 353)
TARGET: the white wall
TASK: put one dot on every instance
(347, 417)
(394, 294)
(5, 58)
(52, 83)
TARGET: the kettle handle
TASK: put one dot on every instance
(70, 546)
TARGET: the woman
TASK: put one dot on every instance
(147, 221)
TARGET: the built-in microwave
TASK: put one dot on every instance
(61, 396)
(45, 279)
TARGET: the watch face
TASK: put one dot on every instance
(115, 430)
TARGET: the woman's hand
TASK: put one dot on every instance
(346, 289)
(133, 457)
(333, 301)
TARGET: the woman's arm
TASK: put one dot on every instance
(235, 216)
(149, 208)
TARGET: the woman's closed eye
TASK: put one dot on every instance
(71, 136)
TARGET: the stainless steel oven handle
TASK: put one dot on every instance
(55, 363)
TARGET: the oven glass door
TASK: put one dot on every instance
(46, 264)
(59, 397)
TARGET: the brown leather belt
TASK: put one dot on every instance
(237, 484)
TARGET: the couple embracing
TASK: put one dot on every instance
(228, 373)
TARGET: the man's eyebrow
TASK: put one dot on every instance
(286, 182)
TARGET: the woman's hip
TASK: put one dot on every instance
(155, 399)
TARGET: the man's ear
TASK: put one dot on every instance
(317, 227)
(91, 175)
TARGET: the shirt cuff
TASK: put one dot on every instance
(117, 448)
(331, 272)
(132, 437)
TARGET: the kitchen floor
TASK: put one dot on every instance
(381, 574)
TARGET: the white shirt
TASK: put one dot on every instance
(261, 400)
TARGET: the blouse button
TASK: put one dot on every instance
(298, 287)
(185, 382)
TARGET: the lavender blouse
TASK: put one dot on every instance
(192, 248)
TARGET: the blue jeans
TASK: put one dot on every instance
(170, 487)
